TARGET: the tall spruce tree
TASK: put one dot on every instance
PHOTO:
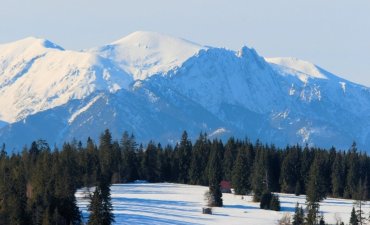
(242, 171)
(261, 172)
(290, 168)
(352, 164)
(184, 150)
(230, 153)
(129, 160)
(338, 175)
(106, 153)
(215, 174)
(199, 159)
(149, 163)
(100, 207)
(316, 190)
(96, 208)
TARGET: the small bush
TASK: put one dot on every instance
(285, 220)
(208, 198)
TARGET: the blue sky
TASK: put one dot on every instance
(334, 34)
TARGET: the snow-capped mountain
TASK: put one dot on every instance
(144, 54)
(156, 86)
(37, 75)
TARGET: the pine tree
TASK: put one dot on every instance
(129, 161)
(261, 172)
(352, 163)
(229, 159)
(338, 176)
(312, 213)
(107, 215)
(241, 172)
(184, 155)
(215, 174)
(316, 187)
(353, 220)
(106, 153)
(100, 207)
(199, 159)
(290, 170)
(298, 218)
(149, 163)
(316, 190)
(307, 158)
(13, 194)
(96, 208)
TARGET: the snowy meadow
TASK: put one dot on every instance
(169, 203)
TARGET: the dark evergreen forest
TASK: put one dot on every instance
(37, 185)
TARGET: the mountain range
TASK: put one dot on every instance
(156, 86)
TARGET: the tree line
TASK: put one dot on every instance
(38, 184)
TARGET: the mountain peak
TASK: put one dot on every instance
(144, 53)
(32, 42)
(151, 39)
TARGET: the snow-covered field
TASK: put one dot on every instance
(167, 203)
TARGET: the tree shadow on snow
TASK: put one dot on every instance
(149, 220)
(244, 207)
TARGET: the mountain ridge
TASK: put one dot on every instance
(156, 86)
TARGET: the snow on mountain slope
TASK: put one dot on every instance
(143, 54)
(163, 120)
(217, 76)
(171, 85)
(258, 99)
(17, 57)
(36, 75)
(306, 69)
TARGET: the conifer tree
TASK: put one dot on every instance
(338, 176)
(107, 215)
(199, 159)
(100, 207)
(229, 159)
(184, 150)
(352, 178)
(298, 218)
(360, 198)
(265, 200)
(307, 158)
(215, 174)
(106, 153)
(353, 219)
(315, 190)
(261, 172)
(241, 172)
(129, 160)
(96, 208)
(290, 168)
(149, 163)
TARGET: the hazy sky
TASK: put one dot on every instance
(334, 34)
